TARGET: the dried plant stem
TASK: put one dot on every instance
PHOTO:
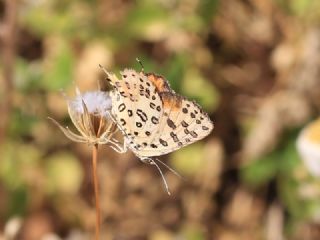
(96, 188)
(8, 38)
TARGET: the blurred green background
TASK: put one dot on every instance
(254, 66)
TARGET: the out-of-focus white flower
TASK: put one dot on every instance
(308, 145)
(90, 114)
(12, 227)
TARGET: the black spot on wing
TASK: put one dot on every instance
(127, 84)
(121, 107)
(193, 134)
(123, 122)
(137, 147)
(147, 93)
(154, 120)
(205, 128)
(163, 142)
(171, 124)
(184, 124)
(152, 105)
(142, 115)
(174, 137)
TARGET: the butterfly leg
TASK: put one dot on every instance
(112, 117)
(152, 162)
(169, 168)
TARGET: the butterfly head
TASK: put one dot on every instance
(111, 77)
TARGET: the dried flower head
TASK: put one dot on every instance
(90, 115)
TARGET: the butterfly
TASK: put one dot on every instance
(152, 117)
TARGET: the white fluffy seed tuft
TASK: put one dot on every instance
(97, 102)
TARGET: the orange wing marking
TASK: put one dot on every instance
(171, 100)
(159, 82)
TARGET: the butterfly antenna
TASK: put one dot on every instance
(142, 67)
(64, 95)
(169, 168)
(162, 176)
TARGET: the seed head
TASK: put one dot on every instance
(90, 114)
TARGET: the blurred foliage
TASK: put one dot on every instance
(64, 174)
(281, 162)
(252, 65)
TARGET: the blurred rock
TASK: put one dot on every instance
(51, 236)
(283, 57)
(275, 223)
(208, 178)
(36, 226)
(162, 235)
(276, 114)
(57, 105)
(87, 71)
(244, 210)
(304, 77)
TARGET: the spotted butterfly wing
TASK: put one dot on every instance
(154, 119)
(182, 122)
(136, 107)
